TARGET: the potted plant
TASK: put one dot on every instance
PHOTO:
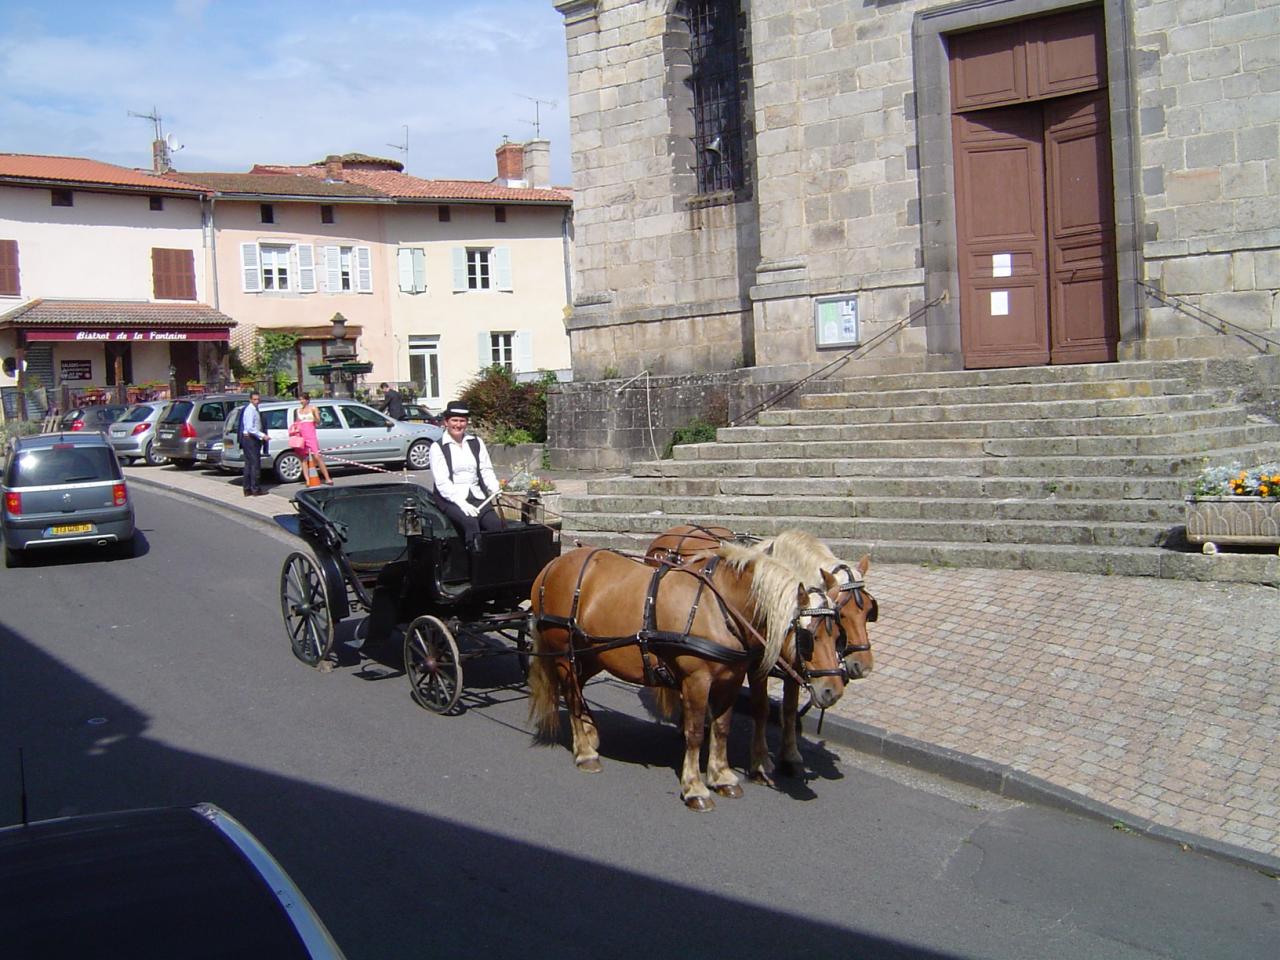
(1235, 504)
(527, 496)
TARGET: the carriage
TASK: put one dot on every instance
(387, 551)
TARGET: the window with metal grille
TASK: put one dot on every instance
(716, 83)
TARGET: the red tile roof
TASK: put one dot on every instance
(391, 183)
(60, 313)
(278, 185)
(77, 170)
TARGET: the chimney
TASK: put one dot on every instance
(537, 163)
(333, 168)
(160, 156)
(510, 163)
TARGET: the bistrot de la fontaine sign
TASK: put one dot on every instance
(127, 336)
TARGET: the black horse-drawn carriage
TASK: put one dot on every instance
(387, 550)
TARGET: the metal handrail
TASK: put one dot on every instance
(827, 370)
(1209, 319)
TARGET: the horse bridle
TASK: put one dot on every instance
(805, 638)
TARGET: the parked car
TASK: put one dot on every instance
(133, 435)
(188, 420)
(354, 431)
(209, 452)
(151, 884)
(417, 413)
(97, 416)
(62, 489)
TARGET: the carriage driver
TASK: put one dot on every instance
(463, 475)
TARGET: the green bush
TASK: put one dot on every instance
(502, 409)
(696, 431)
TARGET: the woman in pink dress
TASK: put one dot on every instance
(306, 420)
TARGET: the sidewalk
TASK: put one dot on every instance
(1151, 703)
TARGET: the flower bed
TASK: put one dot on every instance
(1235, 505)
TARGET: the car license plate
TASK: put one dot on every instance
(202, 456)
(71, 528)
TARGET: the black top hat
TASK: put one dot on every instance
(456, 408)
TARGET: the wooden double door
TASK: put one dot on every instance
(1034, 208)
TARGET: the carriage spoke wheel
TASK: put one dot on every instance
(432, 662)
(304, 604)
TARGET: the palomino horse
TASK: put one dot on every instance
(825, 670)
(667, 627)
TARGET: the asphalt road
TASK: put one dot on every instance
(167, 679)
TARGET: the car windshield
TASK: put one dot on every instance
(137, 414)
(178, 411)
(62, 464)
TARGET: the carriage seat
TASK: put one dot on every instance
(370, 514)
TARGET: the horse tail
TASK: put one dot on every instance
(668, 702)
(544, 690)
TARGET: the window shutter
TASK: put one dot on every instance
(364, 270)
(9, 285)
(523, 350)
(459, 269)
(250, 273)
(404, 263)
(484, 349)
(333, 269)
(419, 269)
(502, 268)
(306, 268)
(160, 274)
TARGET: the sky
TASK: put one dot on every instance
(238, 82)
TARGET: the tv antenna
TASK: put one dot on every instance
(537, 113)
(403, 147)
(154, 117)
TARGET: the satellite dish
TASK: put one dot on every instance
(173, 147)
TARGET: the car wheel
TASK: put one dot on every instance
(183, 464)
(419, 455)
(12, 558)
(288, 468)
(153, 459)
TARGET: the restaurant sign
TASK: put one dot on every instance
(128, 336)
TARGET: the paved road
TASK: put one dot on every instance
(166, 679)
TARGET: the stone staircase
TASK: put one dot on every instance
(1079, 468)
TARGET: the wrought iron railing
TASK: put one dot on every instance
(1254, 338)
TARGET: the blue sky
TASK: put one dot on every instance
(281, 81)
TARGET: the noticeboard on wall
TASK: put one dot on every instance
(70, 370)
(835, 320)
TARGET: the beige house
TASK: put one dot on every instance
(104, 279)
(435, 278)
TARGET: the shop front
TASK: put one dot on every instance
(63, 354)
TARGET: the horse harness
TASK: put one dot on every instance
(805, 639)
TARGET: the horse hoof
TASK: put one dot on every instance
(700, 804)
(762, 778)
(591, 765)
(730, 790)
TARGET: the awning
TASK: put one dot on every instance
(107, 321)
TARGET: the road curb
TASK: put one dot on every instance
(212, 501)
(1014, 784)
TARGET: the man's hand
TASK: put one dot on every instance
(470, 510)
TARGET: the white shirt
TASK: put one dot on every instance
(467, 474)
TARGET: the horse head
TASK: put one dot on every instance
(855, 608)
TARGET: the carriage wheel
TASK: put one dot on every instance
(304, 603)
(432, 662)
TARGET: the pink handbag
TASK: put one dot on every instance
(296, 440)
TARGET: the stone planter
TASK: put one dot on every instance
(1236, 520)
(517, 506)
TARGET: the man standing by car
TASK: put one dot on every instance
(253, 440)
(394, 403)
(463, 475)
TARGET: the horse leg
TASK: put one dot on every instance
(586, 736)
(791, 761)
(693, 791)
(761, 766)
(719, 774)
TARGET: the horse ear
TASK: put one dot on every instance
(864, 564)
(829, 582)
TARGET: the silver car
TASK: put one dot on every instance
(63, 489)
(346, 430)
(133, 435)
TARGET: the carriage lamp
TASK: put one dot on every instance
(409, 524)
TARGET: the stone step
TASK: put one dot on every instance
(1076, 510)
(1236, 567)
(1146, 425)
(1089, 488)
(1049, 466)
(1133, 407)
(1012, 393)
(1068, 373)
(1071, 533)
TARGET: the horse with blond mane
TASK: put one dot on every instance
(669, 627)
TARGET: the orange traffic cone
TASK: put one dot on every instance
(313, 479)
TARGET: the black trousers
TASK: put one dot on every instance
(489, 518)
(252, 447)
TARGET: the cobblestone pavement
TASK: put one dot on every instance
(1160, 698)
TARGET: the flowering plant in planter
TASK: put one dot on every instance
(1233, 480)
(525, 482)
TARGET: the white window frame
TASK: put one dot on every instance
(265, 259)
(277, 265)
(512, 349)
(427, 350)
(481, 269)
(348, 268)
